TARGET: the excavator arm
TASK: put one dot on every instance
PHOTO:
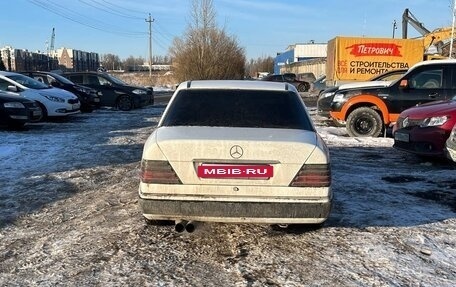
(409, 18)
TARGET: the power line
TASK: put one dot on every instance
(123, 8)
(169, 35)
(159, 43)
(58, 11)
(108, 9)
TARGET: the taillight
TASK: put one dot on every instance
(158, 171)
(313, 175)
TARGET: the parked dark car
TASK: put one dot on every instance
(318, 85)
(16, 111)
(301, 86)
(112, 91)
(326, 96)
(87, 96)
(424, 129)
(369, 111)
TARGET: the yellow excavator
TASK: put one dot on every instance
(436, 42)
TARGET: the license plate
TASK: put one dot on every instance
(402, 137)
(75, 106)
(236, 171)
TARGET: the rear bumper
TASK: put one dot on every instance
(271, 212)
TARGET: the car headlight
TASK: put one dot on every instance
(326, 95)
(82, 90)
(339, 98)
(14, 105)
(405, 122)
(139, 92)
(53, 98)
(434, 121)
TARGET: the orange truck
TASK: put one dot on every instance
(351, 59)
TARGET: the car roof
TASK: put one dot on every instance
(436, 62)
(5, 73)
(88, 72)
(236, 84)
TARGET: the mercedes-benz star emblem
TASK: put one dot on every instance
(236, 151)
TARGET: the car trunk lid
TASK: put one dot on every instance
(279, 151)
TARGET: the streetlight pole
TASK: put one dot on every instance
(150, 20)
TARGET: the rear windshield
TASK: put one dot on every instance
(238, 108)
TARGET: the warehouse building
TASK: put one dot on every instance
(299, 53)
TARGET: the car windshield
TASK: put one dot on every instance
(389, 76)
(61, 79)
(28, 82)
(116, 80)
(320, 79)
(238, 108)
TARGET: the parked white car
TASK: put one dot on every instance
(53, 101)
(235, 151)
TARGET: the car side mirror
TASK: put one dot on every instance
(404, 84)
(12, 89)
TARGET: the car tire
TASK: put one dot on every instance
(302, 88)
(364, 122)
(125, 103)
(87, 110)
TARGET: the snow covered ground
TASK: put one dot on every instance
(69, 216)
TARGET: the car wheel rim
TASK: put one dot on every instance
(364, 125)
(124, 103)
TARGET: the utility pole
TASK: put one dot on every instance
(453, 10)
(394, 27)
(150, 20)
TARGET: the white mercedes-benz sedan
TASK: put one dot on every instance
(235, 151)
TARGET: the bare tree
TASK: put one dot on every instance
(110, 61)
(134, 63)
(206, 51)
(253, 67)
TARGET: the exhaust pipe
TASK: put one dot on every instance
(191, 226)
(180, 225)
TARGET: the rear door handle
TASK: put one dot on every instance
(433, 95)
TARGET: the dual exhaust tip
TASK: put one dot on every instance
(183, 225)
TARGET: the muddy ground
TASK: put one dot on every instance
(69, 217)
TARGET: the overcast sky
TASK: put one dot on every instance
(262, 27)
